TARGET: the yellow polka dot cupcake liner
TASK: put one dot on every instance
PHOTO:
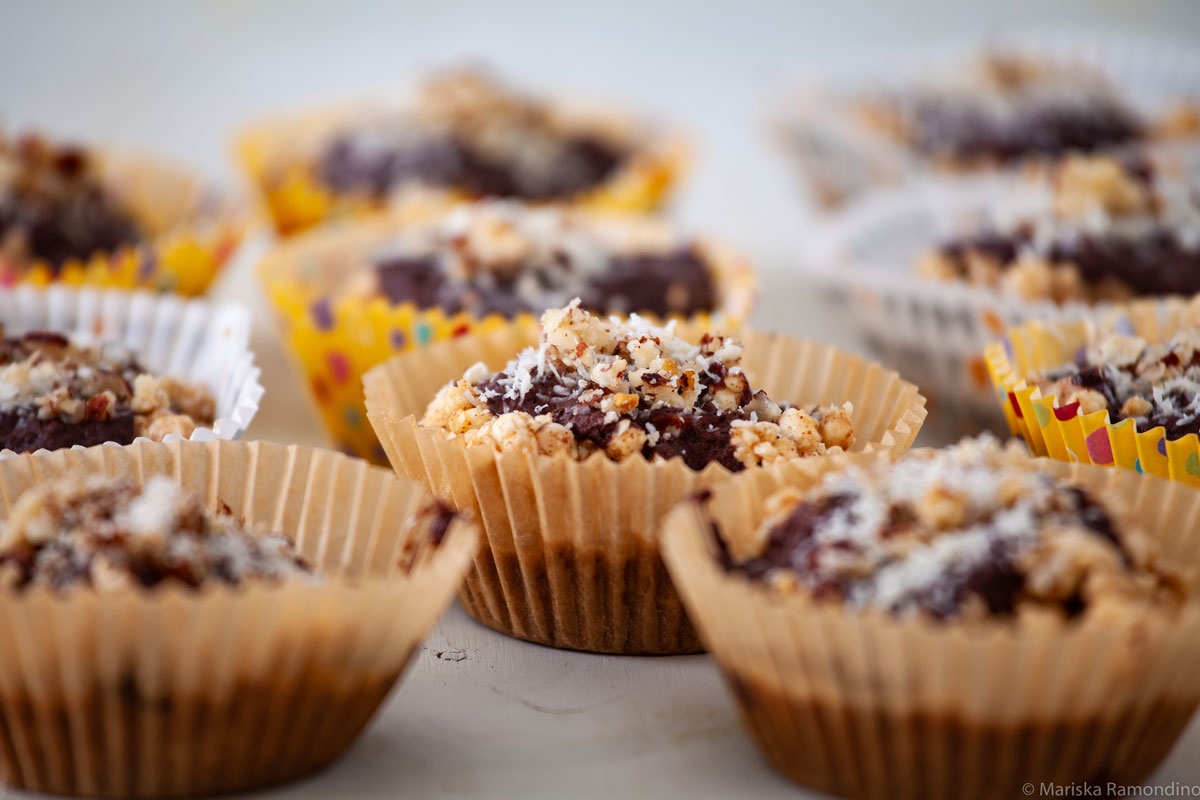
(1061, 431)
(192, 233)
(278, 157)
(331, 342)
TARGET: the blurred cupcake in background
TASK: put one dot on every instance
(930, 274)
(80, 215)
(973, 108)
(953, 623)
(463, 134)
(349, 297)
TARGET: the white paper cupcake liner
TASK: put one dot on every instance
(935, 332)
(839, 157)
(194, 341)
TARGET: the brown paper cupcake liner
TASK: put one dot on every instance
(170, 691)
(865, 705)
(569, 556)
(332, 341)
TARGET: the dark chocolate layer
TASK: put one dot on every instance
(997, 581)
(699, 435)
(584, 163)
(674, 282)
(968, 133)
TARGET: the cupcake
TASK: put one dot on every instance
(348, 299)
(933, 274)
(77, 215)
(185, 619)
(1118, 391)
(463, 134)
(955, 623)
(80, 367)
(1016, 103)
(1105, 230)
(572, 446)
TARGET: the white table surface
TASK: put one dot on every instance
(481, 715)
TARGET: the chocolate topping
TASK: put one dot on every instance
(53, 206)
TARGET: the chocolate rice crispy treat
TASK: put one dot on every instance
(628, 388)
(1153, 383)
(108, 533)
(970, 532)
(502, 257)
(54, 207)
(54, 393)
(470, 133)
(1106, 230)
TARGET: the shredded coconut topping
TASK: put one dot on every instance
(629, 387)
(1152, 383)
(108, 534)
(970, 531)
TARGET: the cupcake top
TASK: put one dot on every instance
(468, 132)
(54, 207)
(108, 534)
(626, 388)
(1002, 108)
(974, 531)
(1105, 229)
(505, 258)
(1153, 383)
(55, 393)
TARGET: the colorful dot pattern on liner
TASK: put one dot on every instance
(1114, 399)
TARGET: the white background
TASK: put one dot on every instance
(511, 719)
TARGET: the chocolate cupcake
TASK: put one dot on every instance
(956, 623)
(348, 298)
(573, 448)
(55, 393)
(248, 629)
(1119, 389)
(85, 366)
(463, 134)
(78, 215)
(985, 108)
(1106, 230)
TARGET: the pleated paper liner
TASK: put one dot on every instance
(192, 340)
(279, 155)
(569, 556)
(191, 234)
(1061, 432)
(332, 342)
(863, 705)
(167, 691)
(840, 158)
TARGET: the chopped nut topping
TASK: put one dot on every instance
(110, 534)
(627, 388)
(1152, 383)
(968, 532)
(54, 393)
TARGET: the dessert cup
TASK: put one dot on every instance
(864, 704)
(570, 556)
(177, 692)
